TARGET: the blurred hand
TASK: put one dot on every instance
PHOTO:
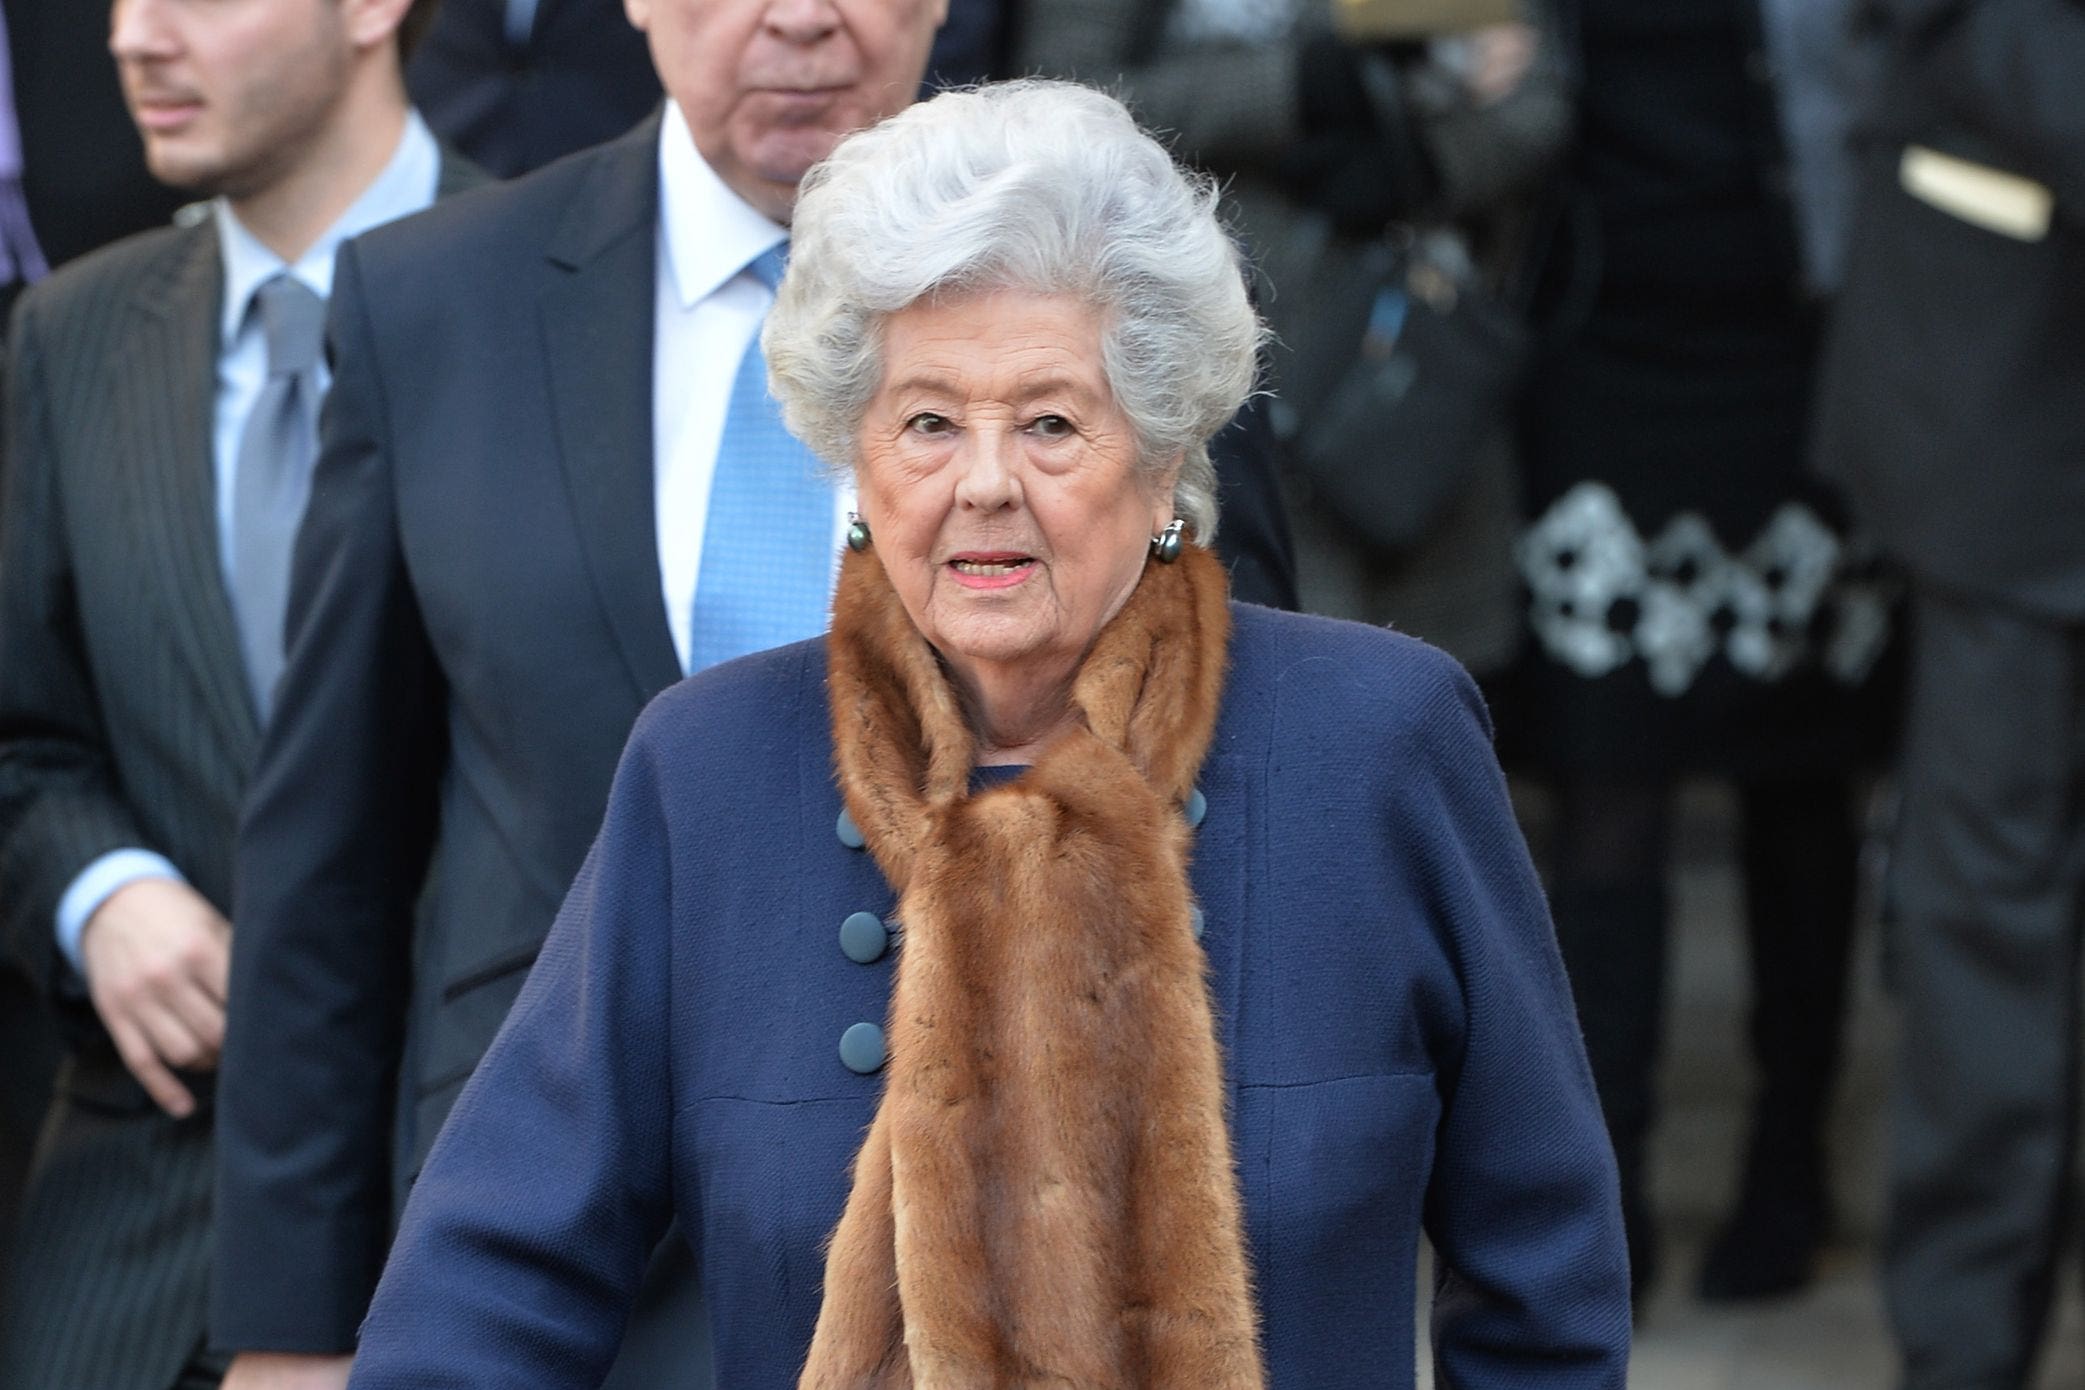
(158, 958)
(267, 1370)
(1500, 56)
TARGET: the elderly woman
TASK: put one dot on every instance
(1058, 975)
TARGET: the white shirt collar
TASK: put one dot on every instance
(708, 232)
(405, 185)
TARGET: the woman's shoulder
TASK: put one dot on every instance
(1299, 669)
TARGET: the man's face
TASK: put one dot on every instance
(770, 86)
(229, 94)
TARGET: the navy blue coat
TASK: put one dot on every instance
(1400, 1046)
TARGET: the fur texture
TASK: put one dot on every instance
(1047, 1195)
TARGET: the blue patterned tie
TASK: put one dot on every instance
(767, 547)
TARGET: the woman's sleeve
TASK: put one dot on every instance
(1532, 1284)
(529, 1229)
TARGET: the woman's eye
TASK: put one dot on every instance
(1050, 426)
(927, 422)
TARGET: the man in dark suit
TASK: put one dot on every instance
(518, 83)
(1954, 411)
(518, 528)
(161, 409)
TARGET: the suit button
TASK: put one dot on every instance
(863, 937)
(850, 834)
(1195, 919)
(1196, 808)
(861, 1049)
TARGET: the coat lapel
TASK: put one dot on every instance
(597, 314)
(167, 391)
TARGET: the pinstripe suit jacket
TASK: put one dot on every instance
(125, 720)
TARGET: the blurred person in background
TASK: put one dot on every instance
(22, 259)
(1695, 603)
(83, 168)
(1323, 141)
(518, 83)
(1954, 411)
(162, 414)
(27, 1038)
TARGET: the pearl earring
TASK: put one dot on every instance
(1165, 546)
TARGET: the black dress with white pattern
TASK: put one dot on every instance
(1694, 600)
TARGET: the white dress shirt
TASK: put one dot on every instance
(708, 308)
(405, 185)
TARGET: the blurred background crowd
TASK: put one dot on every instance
(1707, 376)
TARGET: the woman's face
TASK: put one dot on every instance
(999, 479)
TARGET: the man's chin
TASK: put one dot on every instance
(765, 167)
(188, 170)
(785, 157)
(184, 174)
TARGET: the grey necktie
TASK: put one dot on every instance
(273, 478)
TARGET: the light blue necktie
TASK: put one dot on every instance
(767, 546)
(277, 448)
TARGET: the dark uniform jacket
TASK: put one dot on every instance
(1951, 403)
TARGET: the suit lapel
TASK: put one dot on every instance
(597, 314)
(167, 392)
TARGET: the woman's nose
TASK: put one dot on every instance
(990, 477)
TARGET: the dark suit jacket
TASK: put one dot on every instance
(584, 76)
(1950, 402)
(475, 623)
(125, 720)
(1400, 1047)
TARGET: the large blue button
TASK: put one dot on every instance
(863, 937)
(861, 1049)
(1197, 807)
(850, 834)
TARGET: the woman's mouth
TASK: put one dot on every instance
(991, 570)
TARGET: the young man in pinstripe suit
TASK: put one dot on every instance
(162, 401)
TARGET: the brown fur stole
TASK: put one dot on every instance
(1046, 1196)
